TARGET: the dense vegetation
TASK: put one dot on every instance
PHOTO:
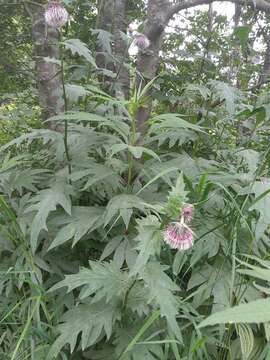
(105, 158)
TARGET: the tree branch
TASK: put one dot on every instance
(261, 5)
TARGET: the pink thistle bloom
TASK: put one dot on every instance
(187, 213)
(141, 41)
(179, 236)
(56, 15)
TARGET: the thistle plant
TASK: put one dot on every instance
(141, 41)
(56, 15)
(178, 234)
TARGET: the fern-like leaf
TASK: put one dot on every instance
(103, 280)
(92, 321)
(45, 202)
(83, 219)
(161, 292)
(149, 241)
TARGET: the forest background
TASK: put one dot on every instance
(134, 179)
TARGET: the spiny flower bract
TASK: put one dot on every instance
(187, 213)
(56, 15)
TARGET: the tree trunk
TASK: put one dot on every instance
(207, 53)
(148, 60)
(236, 53)
(112, 18)
(46, 55)
(158, 15)
(210, 30)
(105, 22)
(265, 76)
(121, 49)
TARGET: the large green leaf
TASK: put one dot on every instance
(98, 174)
(257, 311)
(76, 46)
(22, 179)
(45, 202)
(123, 205)
(103, 280)
(242, 34)
(261, 203)
(171, 121)
(225, 93)
(114, 122)
(47, 136)
(83, 220)
(173, 137)
(92, 321)
(75, 92)
(196, 89)
(77, 116)
(104, 39)
(149, 240)
(136, 151)
(161, 292)
(177, 196)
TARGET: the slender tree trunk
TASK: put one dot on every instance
(236, 52)
(46, 56)
(105, 22)
(237, 14)
(121, 49)
(207, 53)
(210, 30)
(112, 17)
(265, 76)
(148, 60)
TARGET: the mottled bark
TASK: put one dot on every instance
(237, 14)
(236, 54)
(112, 18)
(46, 56)
(104, 22)
(261, 5)
(265, 76)
(120, 49)
(148, 60)
(210, 30)
(207, 53)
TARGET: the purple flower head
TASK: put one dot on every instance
(56, 15)
(179, 236)
(188, 213)
(141, 41)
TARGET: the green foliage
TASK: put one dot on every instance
(83, 219)
(253, 312)
(43, 203)
(103, 280)
(161, 289)
(76, 46)
(85, 272)
(177, 196)
(149, 239)
(92, 321)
